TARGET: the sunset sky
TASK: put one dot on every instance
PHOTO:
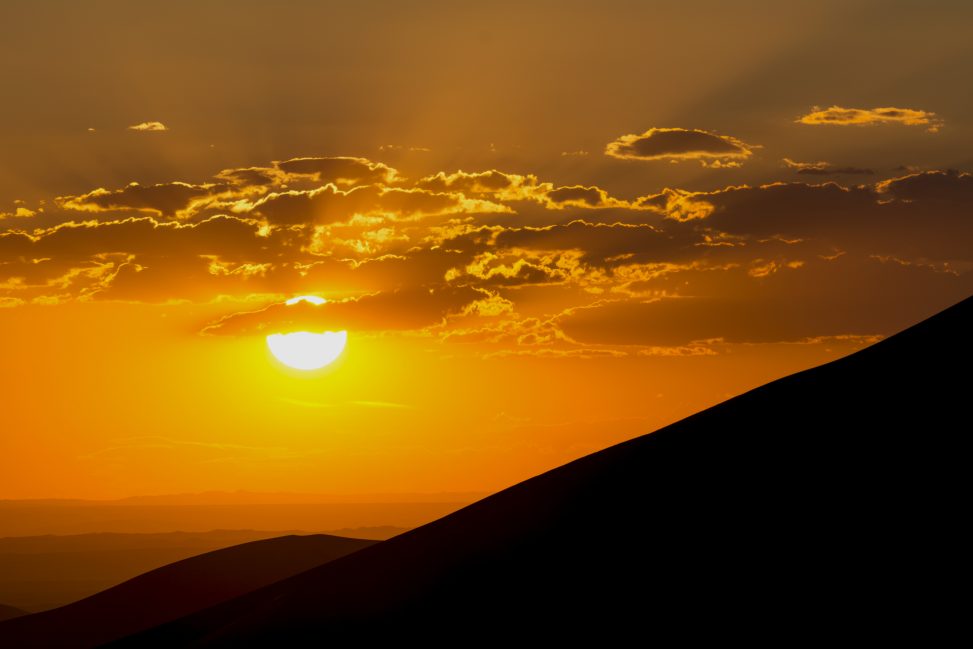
(546, 227)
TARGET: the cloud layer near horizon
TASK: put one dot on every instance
(509, 261)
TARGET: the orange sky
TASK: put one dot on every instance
(546, 228)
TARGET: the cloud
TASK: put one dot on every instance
(948, 186)
(510, 261)
(596, 242)
(330, 204)
(219, 235)
(252, 176)
(919, 215)
(847, 296)
(402, 147)
(503, 186)
(412, 308)
(519, 187)
(581, 196)
(149, 127)
(679, 144)
(838, 116)
(339, 170)
(678, 205)
(825, 169)
(139, 259)
(164, 199)
(20, 212)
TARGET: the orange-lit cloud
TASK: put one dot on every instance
(510, 260)
(679, 144)
(412, 308)
(151, 127)
(19, 212)
(164, 199)
(339, 170)
(825, 169)
(838, 116)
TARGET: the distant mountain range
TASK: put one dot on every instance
(43, 572)
(174, 590)
(238, 511)
(251, 498)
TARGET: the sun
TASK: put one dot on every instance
(306, 350)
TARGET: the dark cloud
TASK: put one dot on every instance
(483, 182)
(164, 199)
(677, 144)
(848, 295)
(330, 204)
(948, 186)
(251, 176)
(225, 236)
(339, 170)
(923, 215)
(578, 195)
(411, 308)
(598, 242)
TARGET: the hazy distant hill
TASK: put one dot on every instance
(9, 612)
(174, 590)
(237, 511)
(829, 505)
(43, 572)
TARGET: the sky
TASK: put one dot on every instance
(546, 227)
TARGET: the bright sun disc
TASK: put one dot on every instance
(304, 350)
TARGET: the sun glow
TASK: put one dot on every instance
(304, 350)
(312, 299)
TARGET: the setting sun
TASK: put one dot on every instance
(304, 350)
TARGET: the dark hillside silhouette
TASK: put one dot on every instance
(828, 504)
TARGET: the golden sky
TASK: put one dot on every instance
(546, 227)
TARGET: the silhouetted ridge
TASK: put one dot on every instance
(174, 590)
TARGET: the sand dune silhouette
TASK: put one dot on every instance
(822, 505)
(825, 504)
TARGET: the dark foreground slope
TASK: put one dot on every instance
(9, 612)
(828, 504)
(175, 590)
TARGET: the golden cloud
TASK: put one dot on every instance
(509, 260)
(679, 144)
(412, 308)
(838, 116)
(339, 170)
(175, 199)
(825, 169)
(152, 127)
